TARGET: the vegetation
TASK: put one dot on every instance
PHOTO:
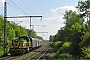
(13, 32)
(75, 35)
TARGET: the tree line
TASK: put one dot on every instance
(73, 40)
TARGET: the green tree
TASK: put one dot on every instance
(72, 18)
(72, 32)
(51, 38)
(32, 33)
(10, 31)
(84, 6)
(38, 37)
(1, 35)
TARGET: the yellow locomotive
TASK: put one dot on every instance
(24, 45)
(20, 46)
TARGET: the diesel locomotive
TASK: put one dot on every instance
(24, 44)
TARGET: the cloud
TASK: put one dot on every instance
(62, 9)
(55, 22)
(2, 3)
(58, 13)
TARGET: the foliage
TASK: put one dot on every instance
(85, 40)
(83, 6)
(63, 51)
(51, 38)
(38, 37)
(65, 55)
(85, 53)
(1, 51)
(56, 45)
(65, 47)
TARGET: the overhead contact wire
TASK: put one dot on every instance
(19, 8)
(27, 7)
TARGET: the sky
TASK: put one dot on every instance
(51, 10)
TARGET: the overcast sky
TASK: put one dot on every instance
(51, 10)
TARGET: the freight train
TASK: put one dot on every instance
(24, 44)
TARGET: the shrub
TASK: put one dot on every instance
(56, 45)
(65, 47)
(1, 51)
(85, 53)
(65, 55)
(63, 50)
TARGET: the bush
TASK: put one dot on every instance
(85, 53)
(56, 45)
(65, 55)
(65, 47)
(62, 55)
(64, 50)
(1, 51)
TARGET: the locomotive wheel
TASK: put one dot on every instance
(24, 51)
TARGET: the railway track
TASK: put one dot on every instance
(9, 58)
(37, 54)
(40, 54)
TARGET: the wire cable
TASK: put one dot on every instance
(19, 8)
(27, 6)
(12, 5)
(28, 9)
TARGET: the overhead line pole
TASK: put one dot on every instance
(30, 28)
(24, 17)
(5, 31)
(41, 32)
(38, 25)
(30, 23)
